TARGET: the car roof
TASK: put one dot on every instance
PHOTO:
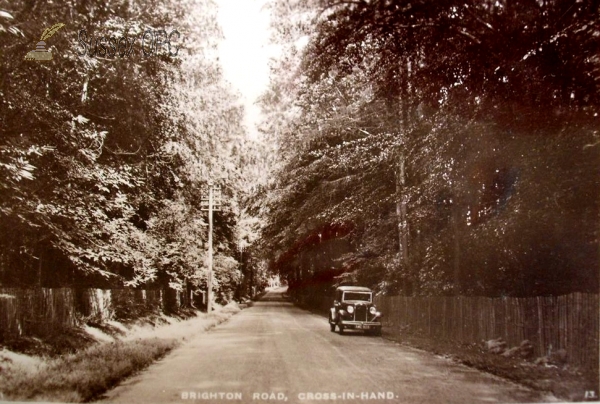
(353, 289)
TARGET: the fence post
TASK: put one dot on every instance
(429, 315)
(540, 336)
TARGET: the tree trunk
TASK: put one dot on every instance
(401, 198)
(456, 254)
(401, 195)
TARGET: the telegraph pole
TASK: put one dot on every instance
(211, 201)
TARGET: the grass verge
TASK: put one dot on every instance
(91, 371)
(82, 376)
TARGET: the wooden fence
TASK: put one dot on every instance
(568, 322)
(42, 311)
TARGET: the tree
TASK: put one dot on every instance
(471, 97)
(103, 177)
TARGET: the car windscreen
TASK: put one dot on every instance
(362, 296)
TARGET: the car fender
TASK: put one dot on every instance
(333, 314)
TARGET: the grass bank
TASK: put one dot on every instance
(91, 371)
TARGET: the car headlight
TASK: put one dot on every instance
(372, 310)
(350, 309)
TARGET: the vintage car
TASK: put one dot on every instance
(353, 309)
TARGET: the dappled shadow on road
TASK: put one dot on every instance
(275, 295)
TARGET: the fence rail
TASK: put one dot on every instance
(568, 322)
(43, 311)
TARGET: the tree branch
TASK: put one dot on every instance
(122, 153)
(339, 3)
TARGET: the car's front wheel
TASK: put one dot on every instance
(331, 325)
(341, 328)
(376, 332)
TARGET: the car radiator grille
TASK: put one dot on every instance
(360, 313)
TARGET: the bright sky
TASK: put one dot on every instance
(245, 52)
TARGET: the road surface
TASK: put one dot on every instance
(276, 352)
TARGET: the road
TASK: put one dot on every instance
(275, 352)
